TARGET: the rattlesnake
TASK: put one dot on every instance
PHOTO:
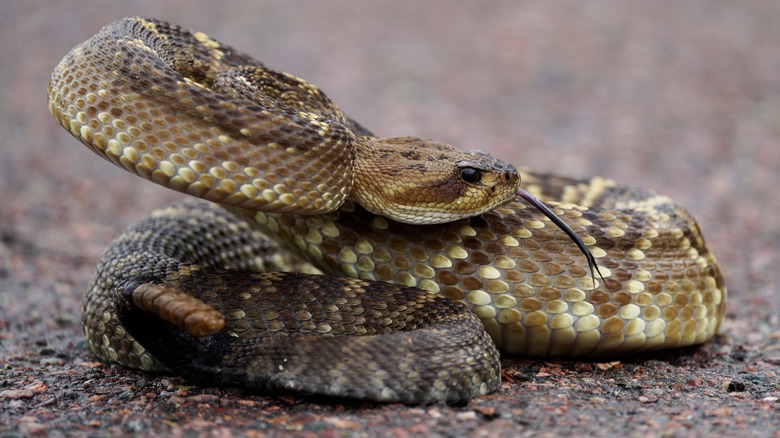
(182, 290)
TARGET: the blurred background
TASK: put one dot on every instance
(681, 97)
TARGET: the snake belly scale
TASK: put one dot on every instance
(405, 229)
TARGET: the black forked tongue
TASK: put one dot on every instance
(539, 205)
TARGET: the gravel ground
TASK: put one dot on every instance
(683, 98)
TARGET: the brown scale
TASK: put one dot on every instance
(188, 289)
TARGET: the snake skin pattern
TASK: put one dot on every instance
(193, 289)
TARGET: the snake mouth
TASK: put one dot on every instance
(544, 209)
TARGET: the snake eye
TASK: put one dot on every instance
(470, 174)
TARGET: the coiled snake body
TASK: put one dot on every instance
(193, 289)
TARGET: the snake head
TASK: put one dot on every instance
(419, 181)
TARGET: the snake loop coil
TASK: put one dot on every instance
(432, 265)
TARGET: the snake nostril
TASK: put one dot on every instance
(506, 177)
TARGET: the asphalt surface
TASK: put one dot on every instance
(682, 97)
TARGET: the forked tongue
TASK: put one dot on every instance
(539, 205)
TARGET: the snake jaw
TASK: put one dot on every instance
(544, 209)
